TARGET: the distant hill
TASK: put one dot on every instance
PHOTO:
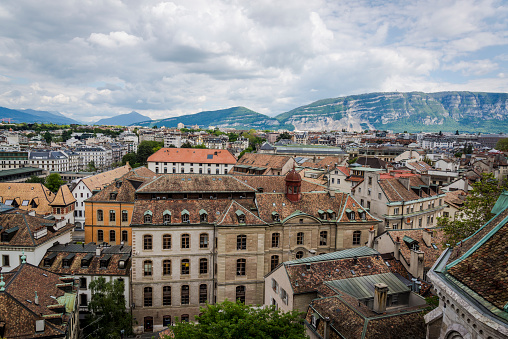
(131, 118)
(399, 112)
(32, 116)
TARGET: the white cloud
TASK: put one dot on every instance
(114, 39)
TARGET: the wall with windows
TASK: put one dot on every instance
(108, 222)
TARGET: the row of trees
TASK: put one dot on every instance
(52, 181)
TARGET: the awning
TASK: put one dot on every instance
(239, 213)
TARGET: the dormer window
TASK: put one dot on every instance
(203, 216)
(48, 261)
(104, 262)
(362, 214)
(147, 219)
(322, 214)
(112, 196)
(166, 217)
(275, 216)
(185, 216)
(241, 216)
(85, 262)
(350, 214)
(67, 261)
(118, 184)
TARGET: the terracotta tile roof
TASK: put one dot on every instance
(98, 181)
(396, 191)
(260, 160)
(310, 203)
(194, 183)
(371, 162)
(455, 198)
(431, 253)
(24, 193)
(23, 229)
(139, 173)
(344, 170)
(230, 216)
(193, 155)
(124, 193)
(276, 183)
(113, 255)
(420, 166)
(19, 310)
(63, 197)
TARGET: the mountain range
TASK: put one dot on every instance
(124, 119)
(396, 111)
(32, 116)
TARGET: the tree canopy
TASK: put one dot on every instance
(476, 211)
(53, 182)
(35, 180)
(108, 313)
(284, 135)
(147, 148)
(502, 144)
(236, 320)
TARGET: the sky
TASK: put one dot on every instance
(91, 59)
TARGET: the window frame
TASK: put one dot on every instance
(147, 242)
(241, 242)
(357, 237)
(185, 241)
(241, 267)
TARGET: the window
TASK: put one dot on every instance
(147, 242)
(125, 236)
(147, 268)
(240, 267)
(147, 219)
(112, 215)
(100, 236)
(203, 266)
(240, 293)
(166, 320)
(284, 296)
(83, 299)
(362, 202)
(112, 236)
(275, 285)
(203, 293)
(299, 238)
(203, 216)
(203, 240)
(166, 267)
(420, 222)
(185, 217)
(323, 235)
(100, 215)
(396, 210)
(356, 237)
(368, 204)
(185, 317)
(274, 261)
(185, 295)
(275, 239)
(370, 180)
(82, 283)
(166, 241)
(241, 242)
(185, 241)
(166, 218)
(147, 296)
(185, 266)
(166, 296)
(379, 196)
(369, 191)
(125, 216)
(299, 255)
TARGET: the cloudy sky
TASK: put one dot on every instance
(90, 59)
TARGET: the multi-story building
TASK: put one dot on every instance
(401, 198)
(53, 161)
(173, 139)
(101, 157)
(199, 238)
(191, 160)
(263, 164)
(13, 159)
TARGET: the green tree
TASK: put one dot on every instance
(502, 145)
(284, 135)
(53, 182)
(232, 136)
(186, 145)
(229, 320)
(147, 148)
(35, 180)
(107, 307)
(457, 132)
(91, 167)
(129, 157)
(475, 212)
(48, 137)
(427, 160)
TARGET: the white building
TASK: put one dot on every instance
(53, 161)
(191, 160)
(101, 157)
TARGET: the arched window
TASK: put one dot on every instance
(274, 261)
(275, 239)
(125, 216)
(185, 317)
(240, 266)
(240, 293)
(147, 296)
(185, 241)
(241, 242)
(357, 235)
(112, 215)
(203, 293)
(100, 236)
(166, 267)
(147, 242)
(147, 268)
(166, 217)
(147, 218)
(185, 294)
(185, 216)
(300, 237)
(112, 236)
(203, 266)
(323, 238)
(203, 240)
(185, 266)
(166, 242)
(100, 215)
(299, 255)
(203, 216)
(166, 296)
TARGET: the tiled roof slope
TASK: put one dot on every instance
(27, 225)
(230, 216)
(263, 160)
(276, 183)
(17, 302)
(455, 198)
(310, 203)
(20, 192)
(63, 197)
(194, 183)
(431, 254)
(396, 191)
(125, 193)
(139, 173)
(98, 181)
(193, 155)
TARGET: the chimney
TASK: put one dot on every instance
(36, 300)
(32, 213)
(425, 179)
(326, 334)
(416, 264)
(396, 249)
(370, 243)
(427, 237)
(98, 251)
(380, 296)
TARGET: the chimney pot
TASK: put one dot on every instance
(380, 297)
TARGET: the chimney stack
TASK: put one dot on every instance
(98, 251)
(416, 264)
(372, 232)
(427, 237)
(36, 300)
(380, 297)
(326, 334)
(396, 249)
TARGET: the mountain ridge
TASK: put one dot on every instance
(124, 119)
